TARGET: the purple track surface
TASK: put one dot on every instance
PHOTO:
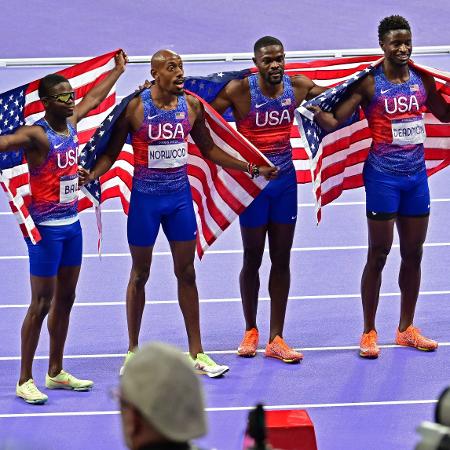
(354, 404)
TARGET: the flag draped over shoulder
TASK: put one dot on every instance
(338, 165)
(219, 194)
(337, 158)
(22, 106)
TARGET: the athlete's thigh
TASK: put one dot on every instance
(415, 201)
(382, 194)
(178, 220)
(72, 251)
(45, 256)
(144, 218)
(183, 254)
(283, 201)
(412, 232)
(257, 213)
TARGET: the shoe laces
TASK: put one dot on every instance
(31, 387)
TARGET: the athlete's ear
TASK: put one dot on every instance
(381, 45)
(154, 73)
(254, 60)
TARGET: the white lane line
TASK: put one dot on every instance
(233, 408)
(300, 205)
(234, 299)
(358, 203)
(240, 251)
(215, 352)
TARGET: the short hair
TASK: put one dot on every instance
(265, 42)
(392, 23)
(48, 82)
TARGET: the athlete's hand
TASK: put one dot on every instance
(147, 84)
(268, 172)
(84, 176)
(316, 110)
(121, 60)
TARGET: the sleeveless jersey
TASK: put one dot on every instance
(54, 184)
(268, 123)
(160, 148)
(395, 117)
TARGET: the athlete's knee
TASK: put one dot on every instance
(185, 273)
(139, 276)
(40, 305)
(412, 255)
(377, 256)
(252, 258)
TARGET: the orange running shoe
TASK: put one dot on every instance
(247, 348)
(368, 347)
(411, 337)
(280, 350)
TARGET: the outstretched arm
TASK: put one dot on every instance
(436, 103)
(24, 137)
(202, 137)
(97, 94)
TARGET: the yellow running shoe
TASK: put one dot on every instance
(64, 380)
(204, 365)
(30, 393)
(128, 356)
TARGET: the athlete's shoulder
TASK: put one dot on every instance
(301, 81)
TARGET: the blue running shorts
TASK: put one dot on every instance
(173, 211)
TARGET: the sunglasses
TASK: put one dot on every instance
(64, 97)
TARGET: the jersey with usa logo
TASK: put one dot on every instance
(395, 117)
(160, 148)
(54, 183)
(269, 121)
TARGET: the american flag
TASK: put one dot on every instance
(21, 106)
(337, 158)
(219, 194)
(338, 165)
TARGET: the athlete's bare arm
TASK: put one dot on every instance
(97, 94)
(360, 95)
(436, 103)
(128, 122)
(236, 94)
(305, 89)
(202, 137)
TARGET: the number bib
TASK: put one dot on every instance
(68, 188)
(167, 156)
(408, 131)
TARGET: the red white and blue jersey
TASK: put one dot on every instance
(269, 121)
(395, 118)
(54, 184)
(160, 148)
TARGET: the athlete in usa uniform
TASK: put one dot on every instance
(263, 105)
(393, 99)
(160, 120)
(51, 149)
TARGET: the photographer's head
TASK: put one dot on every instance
(160, 398)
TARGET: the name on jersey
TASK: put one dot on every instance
(272, 118)
(166, 131)
(401, 104)
(408, 131)
(67, 159)
(68, 188)
(167, 156)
